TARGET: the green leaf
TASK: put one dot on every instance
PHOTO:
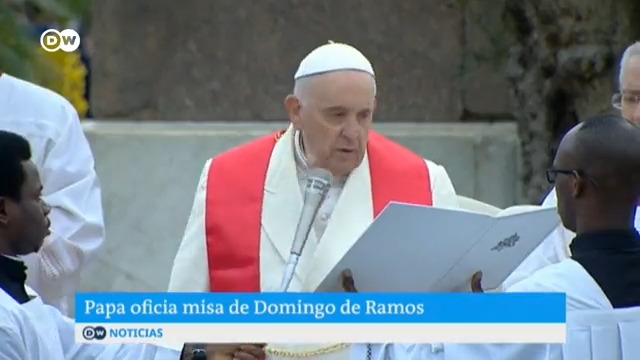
(18, 44)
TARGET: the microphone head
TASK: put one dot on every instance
(319, 180)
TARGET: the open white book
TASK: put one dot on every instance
(428, 249)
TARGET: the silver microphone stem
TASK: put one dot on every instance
(289, 271)
(318, 183)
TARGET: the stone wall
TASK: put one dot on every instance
(545, 63)
(437, 60)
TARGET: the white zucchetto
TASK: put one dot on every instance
(333, 57)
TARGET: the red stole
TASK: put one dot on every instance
(235, 188)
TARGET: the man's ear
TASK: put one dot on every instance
(292, 105)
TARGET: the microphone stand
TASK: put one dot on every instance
(318, 183)
(289, 271)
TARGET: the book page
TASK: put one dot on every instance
(477, 206)
(406, 248)
(502, 248)
(518, 209)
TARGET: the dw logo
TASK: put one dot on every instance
(66, 40)
(94, 333)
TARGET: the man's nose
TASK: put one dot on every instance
(350, 129)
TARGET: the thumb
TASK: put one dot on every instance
(348, 283)
(476, 282)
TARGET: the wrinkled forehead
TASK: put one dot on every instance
(341, 86)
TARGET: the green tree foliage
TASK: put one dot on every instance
(19, 53)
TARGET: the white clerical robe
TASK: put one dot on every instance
(282, 204)
(36, 331)
(603, 335)
(594, 334)
(553, 249)
(62, 154)
(568, 276)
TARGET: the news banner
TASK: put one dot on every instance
(176, 318)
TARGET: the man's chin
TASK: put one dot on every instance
(349, 161)
(36, 247)
(569, 225)
(29, 251)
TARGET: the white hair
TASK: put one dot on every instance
(631, 51)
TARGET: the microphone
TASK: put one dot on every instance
(318, 183)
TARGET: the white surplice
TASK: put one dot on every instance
(553, 249)
(62, 154)
(36, 331)
(603, 335)
(568, 276)
(282, 204)
(593, 334)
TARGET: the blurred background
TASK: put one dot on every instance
(485, 88)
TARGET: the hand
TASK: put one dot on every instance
(348, 284)
(476, 282)
(250, 352)
(228, 351)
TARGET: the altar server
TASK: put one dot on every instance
(30, 329)
(63, 156)
(596, 173)
(555, 247)
(249, 199)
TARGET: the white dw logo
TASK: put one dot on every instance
(67, 40)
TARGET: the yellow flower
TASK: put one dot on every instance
(64, 73)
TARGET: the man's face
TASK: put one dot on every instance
(26, 220)
(334, 115)
(630, 88)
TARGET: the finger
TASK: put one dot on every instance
(255, 351)
(228, 349)
(348, 284)
(476, 282)
(241, 355)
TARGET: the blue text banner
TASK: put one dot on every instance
(319, 308)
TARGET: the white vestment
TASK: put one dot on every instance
(603, 335)
(568, 276)
(350, 210)
(36, 331)
(553, 249)
(61, 152)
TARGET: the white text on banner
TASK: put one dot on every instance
(175, 318)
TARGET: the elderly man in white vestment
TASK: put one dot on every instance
(596, 173)
(30, 329)
(555, 248)
(63, 157)
(249, 199)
